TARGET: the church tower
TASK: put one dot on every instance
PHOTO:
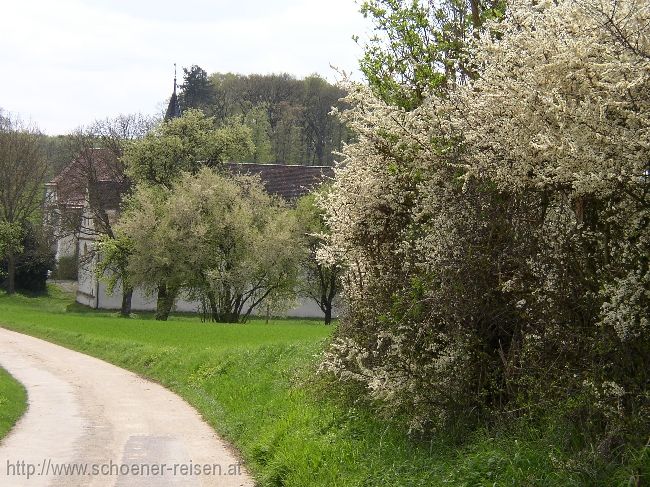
(174, 109)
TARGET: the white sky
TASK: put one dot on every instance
(65, 63)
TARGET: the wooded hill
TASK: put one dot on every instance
(289, 117)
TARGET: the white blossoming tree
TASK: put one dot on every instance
(496, 240)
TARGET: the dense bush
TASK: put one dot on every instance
(66, 268)
(33, 263)
(496, 241)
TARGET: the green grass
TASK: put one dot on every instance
(13, 402)
(254, 384)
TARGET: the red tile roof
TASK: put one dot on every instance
(289, 182)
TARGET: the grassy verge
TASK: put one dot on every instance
(13, 402)
(252, 383)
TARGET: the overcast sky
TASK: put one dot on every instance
(66, 63)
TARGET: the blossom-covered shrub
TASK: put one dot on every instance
(496, 240)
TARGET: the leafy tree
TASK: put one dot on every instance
(292, 114)
(320, 281)
(256, 119)
(421, 46)
(23, 168)
(287, 140)
(230, 100)
(10, 235)
(185, 144)
(223, 239)
(323, 133)
(34, 259)
(273, 91)
(144, 242)
(10, 239)
(115, 252)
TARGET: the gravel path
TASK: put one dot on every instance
(123, 430)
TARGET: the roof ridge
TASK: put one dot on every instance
(276, 164)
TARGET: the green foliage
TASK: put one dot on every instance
(33, 261)
(292, 115)
(140, 250)
(410, 62)
(257, 120)
(196, 90)
(310, 216)
(420, 47)
(222, 238)
(11, 235)
(113, 264)
(66, 268)
(322, 132)
(184, 144)
(23, 168)
(320, 281)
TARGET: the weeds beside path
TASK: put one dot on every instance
(13, 402)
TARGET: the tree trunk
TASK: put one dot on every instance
(165, 303)
(11, 272)
(220, 315)
(476, 17)
(328, 313)
(214, 309)
(328, 297)
(127, 295)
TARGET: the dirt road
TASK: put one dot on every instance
(105, 425)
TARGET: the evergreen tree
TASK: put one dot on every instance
(197, 91)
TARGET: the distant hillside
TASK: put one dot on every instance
(289, 117)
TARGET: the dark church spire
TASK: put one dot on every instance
(174, 109)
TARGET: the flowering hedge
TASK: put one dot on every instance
(496, 240)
